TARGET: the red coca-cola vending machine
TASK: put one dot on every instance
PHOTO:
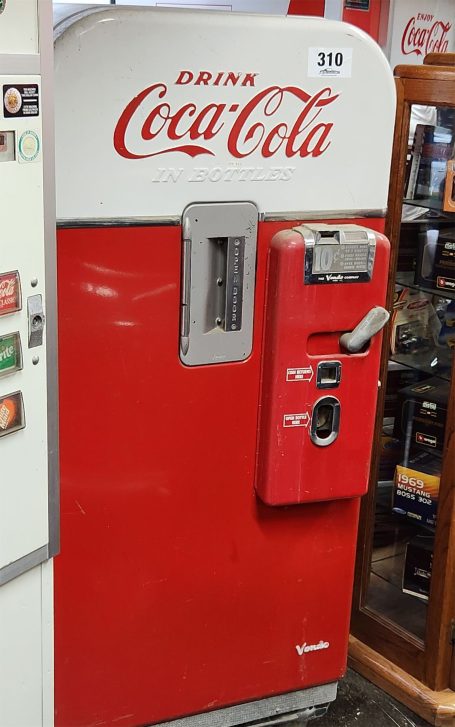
(221, 189)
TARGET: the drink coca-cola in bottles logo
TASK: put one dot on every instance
(10, 294)
(425, 33)
(271, 124)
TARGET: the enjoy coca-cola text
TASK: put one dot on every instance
(424, 34)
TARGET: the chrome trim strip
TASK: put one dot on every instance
(63, 223)
(326, 215)
(21, 565)
(244, 714)
(119, 222)
(45, 25)
(65, 15)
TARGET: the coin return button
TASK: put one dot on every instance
(328, 374)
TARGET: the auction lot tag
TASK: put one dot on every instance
(329, 62)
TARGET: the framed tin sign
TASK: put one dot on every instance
(10, 293)
(12, 416)
(10, 353)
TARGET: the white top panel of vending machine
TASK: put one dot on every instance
(157, 108)
(19, 26)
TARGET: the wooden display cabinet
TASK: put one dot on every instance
(404, 598)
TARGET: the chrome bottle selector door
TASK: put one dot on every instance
(218, 281)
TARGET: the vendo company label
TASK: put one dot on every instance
(287, 119)
(425, 33)
(10, 296)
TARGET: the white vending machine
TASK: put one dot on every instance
(28, 364)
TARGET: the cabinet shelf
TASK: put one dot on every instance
(386, 598)
(406, 279)
(385, 593)
(435, 362)
(430, 203)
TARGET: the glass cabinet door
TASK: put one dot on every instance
(421, 345)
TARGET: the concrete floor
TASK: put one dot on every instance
(361, 704)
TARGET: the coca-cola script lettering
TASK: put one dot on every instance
(9, 293)
(424, 34)
(277, 118)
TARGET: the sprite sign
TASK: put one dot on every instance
(10, 359)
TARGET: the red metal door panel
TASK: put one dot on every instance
(302, 332)
(177, 591)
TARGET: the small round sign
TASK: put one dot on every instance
(29, 146)
(12, 100)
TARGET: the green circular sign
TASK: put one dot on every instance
(29, 146)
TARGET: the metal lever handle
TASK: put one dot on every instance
(372, 323)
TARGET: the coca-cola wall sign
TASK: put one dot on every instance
(156, 109)
(418, 27)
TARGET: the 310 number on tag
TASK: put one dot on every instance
(329, 62)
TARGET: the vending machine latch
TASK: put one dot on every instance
(36, 318)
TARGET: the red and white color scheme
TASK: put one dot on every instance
(418, 27)
(185, 143)
(184, 131)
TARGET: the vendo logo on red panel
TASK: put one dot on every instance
(274, 118)
(423, 34)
